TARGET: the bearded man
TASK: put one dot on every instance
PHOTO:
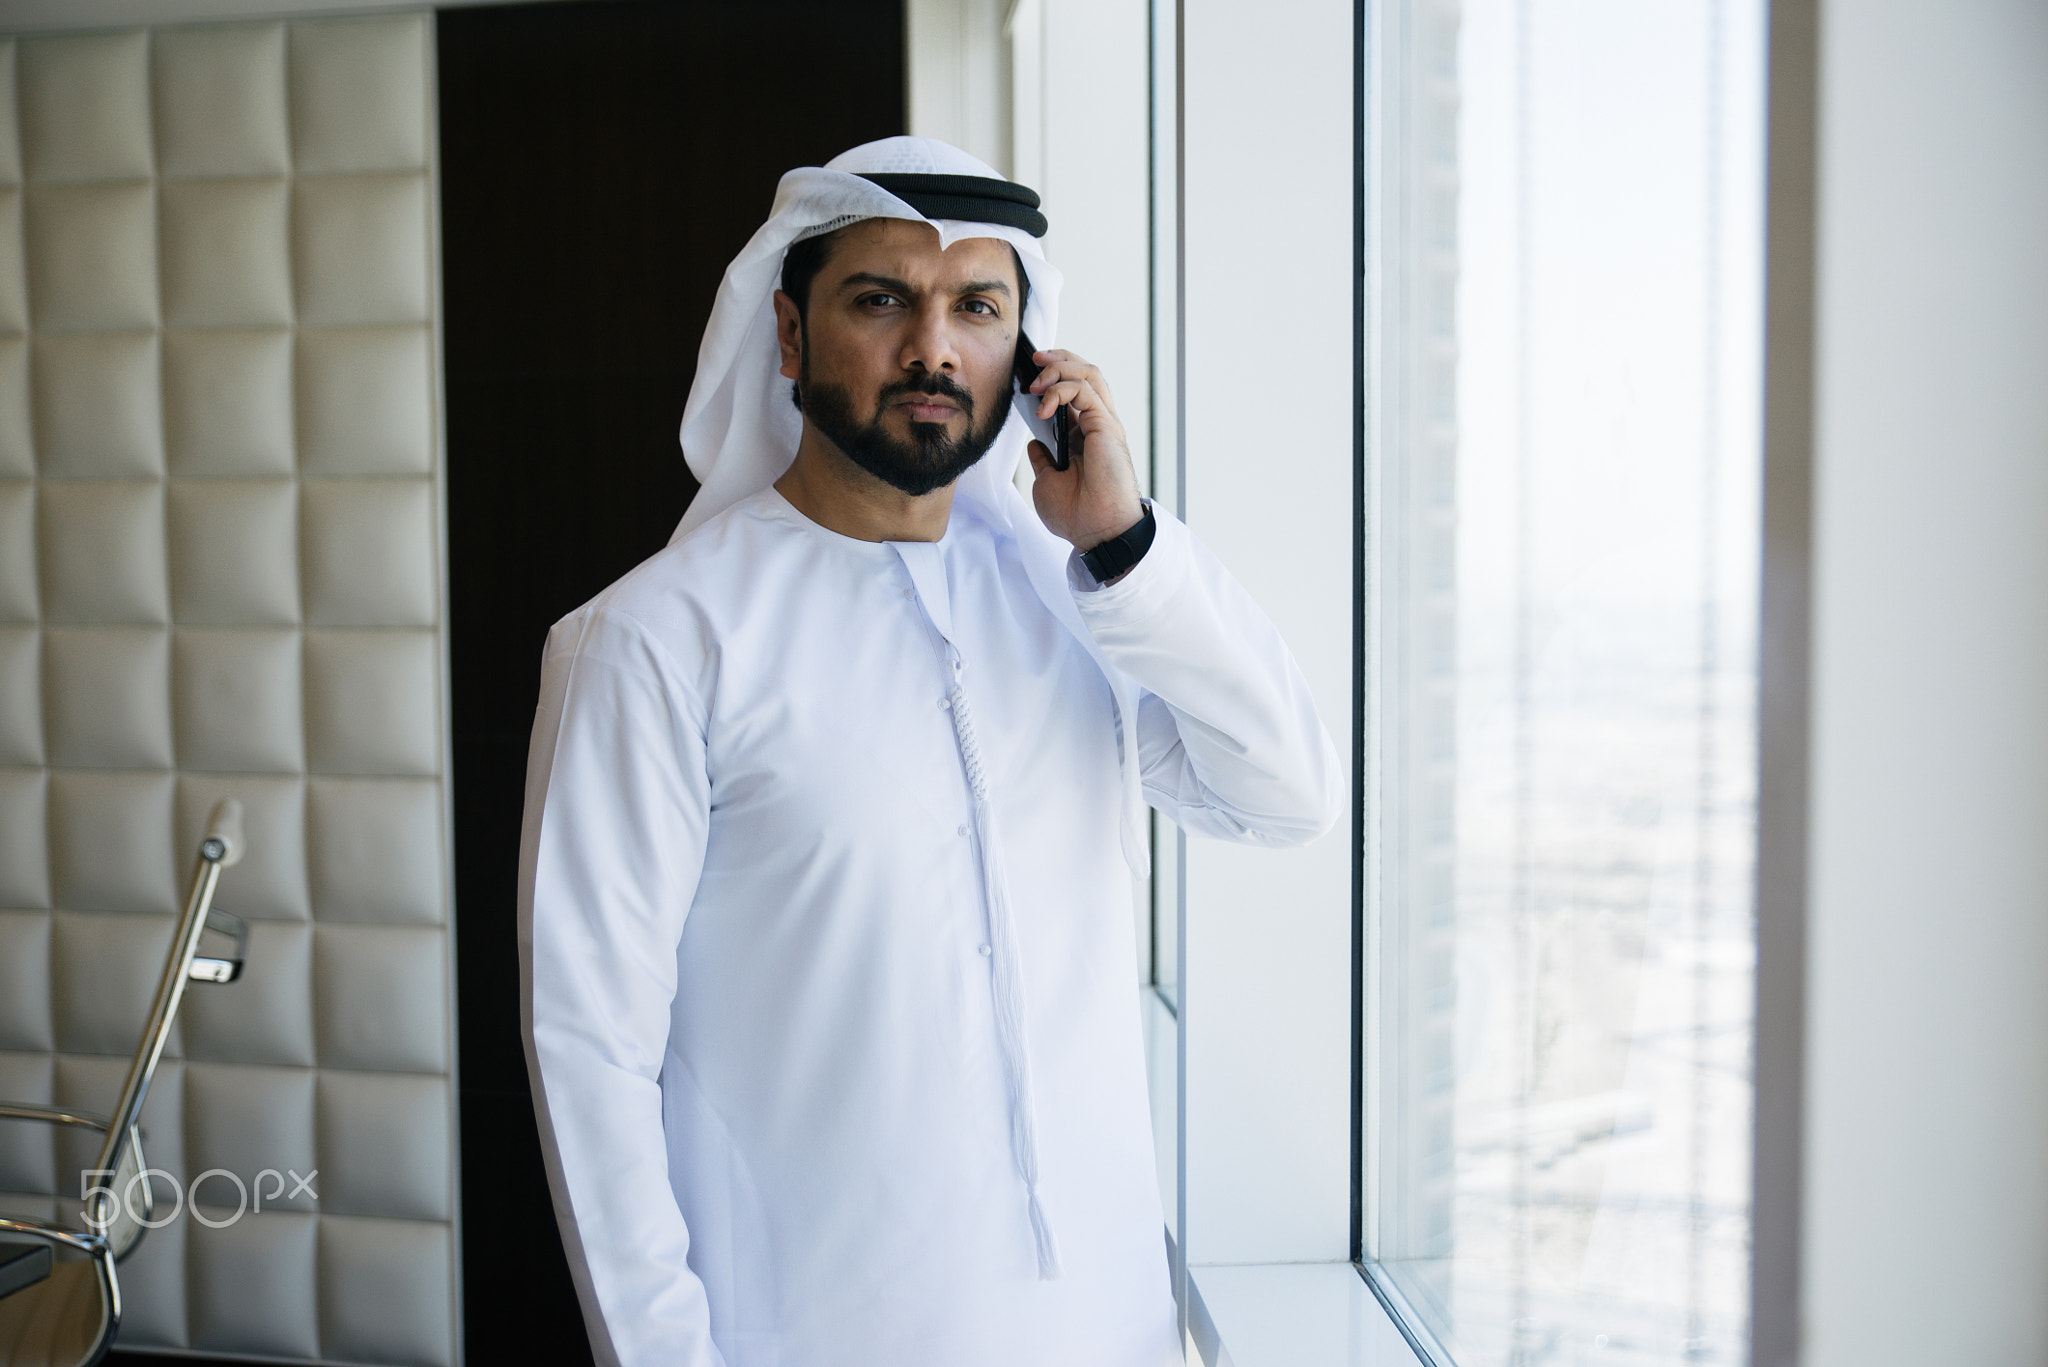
(832, 809)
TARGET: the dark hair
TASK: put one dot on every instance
(801, 264)
(807, 256)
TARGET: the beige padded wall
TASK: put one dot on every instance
(221, 573)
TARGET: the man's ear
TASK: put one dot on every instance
(789, 335)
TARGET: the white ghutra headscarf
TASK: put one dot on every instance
(740, 430)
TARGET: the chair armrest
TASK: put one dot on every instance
(221, 968)
(53, 1115)
(93, 1244)
(22, 1266)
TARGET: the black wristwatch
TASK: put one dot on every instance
(1116, 555)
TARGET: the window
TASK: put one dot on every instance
(1564, 228)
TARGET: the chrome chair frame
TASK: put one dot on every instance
(113, 1228)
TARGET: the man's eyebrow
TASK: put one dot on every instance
(870, 280)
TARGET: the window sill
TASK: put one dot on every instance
(1293, 1315)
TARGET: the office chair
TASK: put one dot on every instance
(62, 1312)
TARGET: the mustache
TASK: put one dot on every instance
(932, 383)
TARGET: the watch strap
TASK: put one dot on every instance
(1116, 555)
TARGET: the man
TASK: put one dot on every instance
(832, 807)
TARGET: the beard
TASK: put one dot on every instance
(929, 459)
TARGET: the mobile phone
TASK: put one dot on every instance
(1058, 432)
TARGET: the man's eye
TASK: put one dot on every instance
(881, 300)
(980, 306)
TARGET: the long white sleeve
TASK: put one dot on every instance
(617, 811)
(1229, 742)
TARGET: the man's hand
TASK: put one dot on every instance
(1096, 496)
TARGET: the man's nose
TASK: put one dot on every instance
(931, 344)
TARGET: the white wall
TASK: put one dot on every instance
(1926, 1103)
(1269, 477)
(958, 70)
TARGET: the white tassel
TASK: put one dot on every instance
(1048, 1248)
(1009, 987)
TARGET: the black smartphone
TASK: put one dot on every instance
(1058, 434)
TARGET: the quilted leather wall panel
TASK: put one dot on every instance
(95, 399)
(92, 257)
(16, 460)
(221, 575)
(225, 255)
(364, 399)
(220, 102)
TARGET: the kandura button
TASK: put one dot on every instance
(984, 951)
(962, 830)
(945, 703)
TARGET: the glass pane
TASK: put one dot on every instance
(1567, 442)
